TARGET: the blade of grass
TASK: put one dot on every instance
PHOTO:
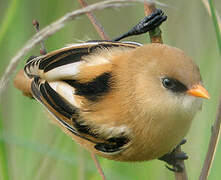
(48, 152)
(216, 25)
(8, 17)
(206, 4)
(3, 154)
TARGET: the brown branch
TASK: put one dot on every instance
(97, 164)
(181, 175)
(50, 30)
(37, 28)
(81, 167)
(22, 82)
(214, 138)
(215, 131)
(155, 37)
(99, 28)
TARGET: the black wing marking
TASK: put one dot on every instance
(93, 89)
(62, 111)
(56, 105)
(71, 54)
(115, 146)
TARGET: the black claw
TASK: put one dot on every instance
(146, 24)
(173, 158)
(171, 169)
(150, 24)
(158, 12)
(160, 21)
(183, 142)
(181, 156)
(176, 168)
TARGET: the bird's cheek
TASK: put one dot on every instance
(191, 104)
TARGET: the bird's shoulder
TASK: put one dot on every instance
(83, 60)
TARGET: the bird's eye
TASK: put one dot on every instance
(173, 85)
(168, 83)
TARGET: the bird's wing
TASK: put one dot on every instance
(68, 116)
(66, 62)
(55, 86)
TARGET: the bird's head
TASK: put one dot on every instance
(167, 78)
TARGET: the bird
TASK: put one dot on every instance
(124, 101)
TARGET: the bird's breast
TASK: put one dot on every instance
(156, 138)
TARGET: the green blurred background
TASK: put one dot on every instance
(37, 149)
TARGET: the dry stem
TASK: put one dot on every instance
(97, 164)
(181, 175)
(37, 28)
(51, 29)
(155, 37)
(214, 139)
(99, 28)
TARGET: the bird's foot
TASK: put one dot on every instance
(148, 23)
(173, 158)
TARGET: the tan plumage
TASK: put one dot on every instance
(111, 97)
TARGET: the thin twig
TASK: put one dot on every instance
(37, 28)
(214, 139)
(99, 28)
(97, 164)
(155, 37)
(81, 167)
(51, 29)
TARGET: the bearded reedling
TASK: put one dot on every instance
(121, 100)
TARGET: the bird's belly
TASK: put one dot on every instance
(150, 142)
(154, 142)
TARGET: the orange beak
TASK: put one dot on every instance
(199, 91)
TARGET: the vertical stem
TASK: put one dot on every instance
(37, 28)
(81, 169)
(3, 154)
(215, 134)
(97, 164)
(99, 28)
(155, 37)
(181, 175)
(212, 145)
